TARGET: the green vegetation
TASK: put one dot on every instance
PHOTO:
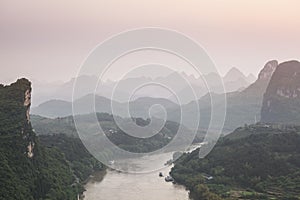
(12, 109)
(254, 162)
(28, 169)
(82, 163)
(46, 126)
(66, 126)
(45, 176)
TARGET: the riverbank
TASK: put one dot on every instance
(95, 177)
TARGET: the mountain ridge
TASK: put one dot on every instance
(87, 84)
(282, 98)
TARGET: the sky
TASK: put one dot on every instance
(49, 40)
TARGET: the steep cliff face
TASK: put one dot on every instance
(15, 101)
(27, 169)
(259, 87)
(268, 70)
(245, 107)
(281, 102)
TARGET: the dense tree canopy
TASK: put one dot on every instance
(255, 162)
(51, 172)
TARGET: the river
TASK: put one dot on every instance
(116, 185)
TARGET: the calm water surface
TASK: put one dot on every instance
(116, 185)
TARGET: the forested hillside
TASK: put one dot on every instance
(28, 169)
(254, 162)
(66, 126)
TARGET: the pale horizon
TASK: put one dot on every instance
(49, 40)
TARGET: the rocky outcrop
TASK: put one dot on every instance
(27, 103)
(259, 87)
(242, 107)
(281, 102)
(268, 70)
(15, 101)
(29, 170)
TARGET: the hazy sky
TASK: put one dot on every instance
(48, 40)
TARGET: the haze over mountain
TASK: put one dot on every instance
(234, 80)
(280, 84)
(150, 100)
(61, 108)
(178, 82)
(242, 106)
(280, 103)
(85, 105)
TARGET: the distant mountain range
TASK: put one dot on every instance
(234, 80)
(273, 98)
(85, 105)
(258, 161)
(243, 106)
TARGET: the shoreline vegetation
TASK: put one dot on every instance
(81, 162)
(254, 162)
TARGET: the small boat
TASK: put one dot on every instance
(161, 174)
(169, 179)
(111, 162)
